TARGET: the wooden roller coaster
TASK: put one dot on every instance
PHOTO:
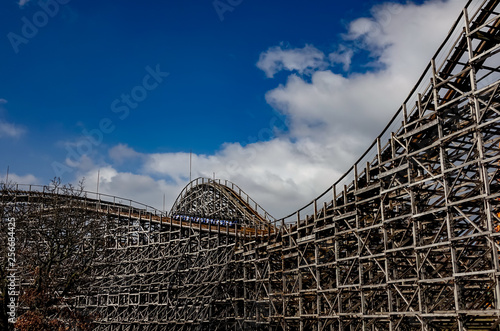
(407, 239)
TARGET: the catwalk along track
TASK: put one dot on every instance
(407, 239)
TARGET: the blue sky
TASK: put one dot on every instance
(254, 88)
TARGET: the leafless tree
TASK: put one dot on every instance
(59, 241)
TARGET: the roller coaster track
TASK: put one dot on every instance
(247, 219)
(407, 239)
(218, 199)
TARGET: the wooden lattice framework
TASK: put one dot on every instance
(407, 239)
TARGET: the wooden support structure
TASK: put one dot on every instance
(408, 239)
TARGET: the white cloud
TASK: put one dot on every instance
(23, 2)
(343, 56)
(302, 60)
(404, 38)
(129, 186)
(121, 153)
(261, 169)
(346, 113)
(331, 118)
(18, 179)
(10, 130)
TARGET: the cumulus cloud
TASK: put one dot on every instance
(260, 169)
(302, 60)
(10, 130)
(7, 129)
(20, 179)
(350, 111)
(343, 56)
(404, 38)
(121, 153)
(129, 186)
(331, 118)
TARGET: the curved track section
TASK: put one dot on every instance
(408, 238)
(208, 200)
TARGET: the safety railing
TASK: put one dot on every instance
(84, 195)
